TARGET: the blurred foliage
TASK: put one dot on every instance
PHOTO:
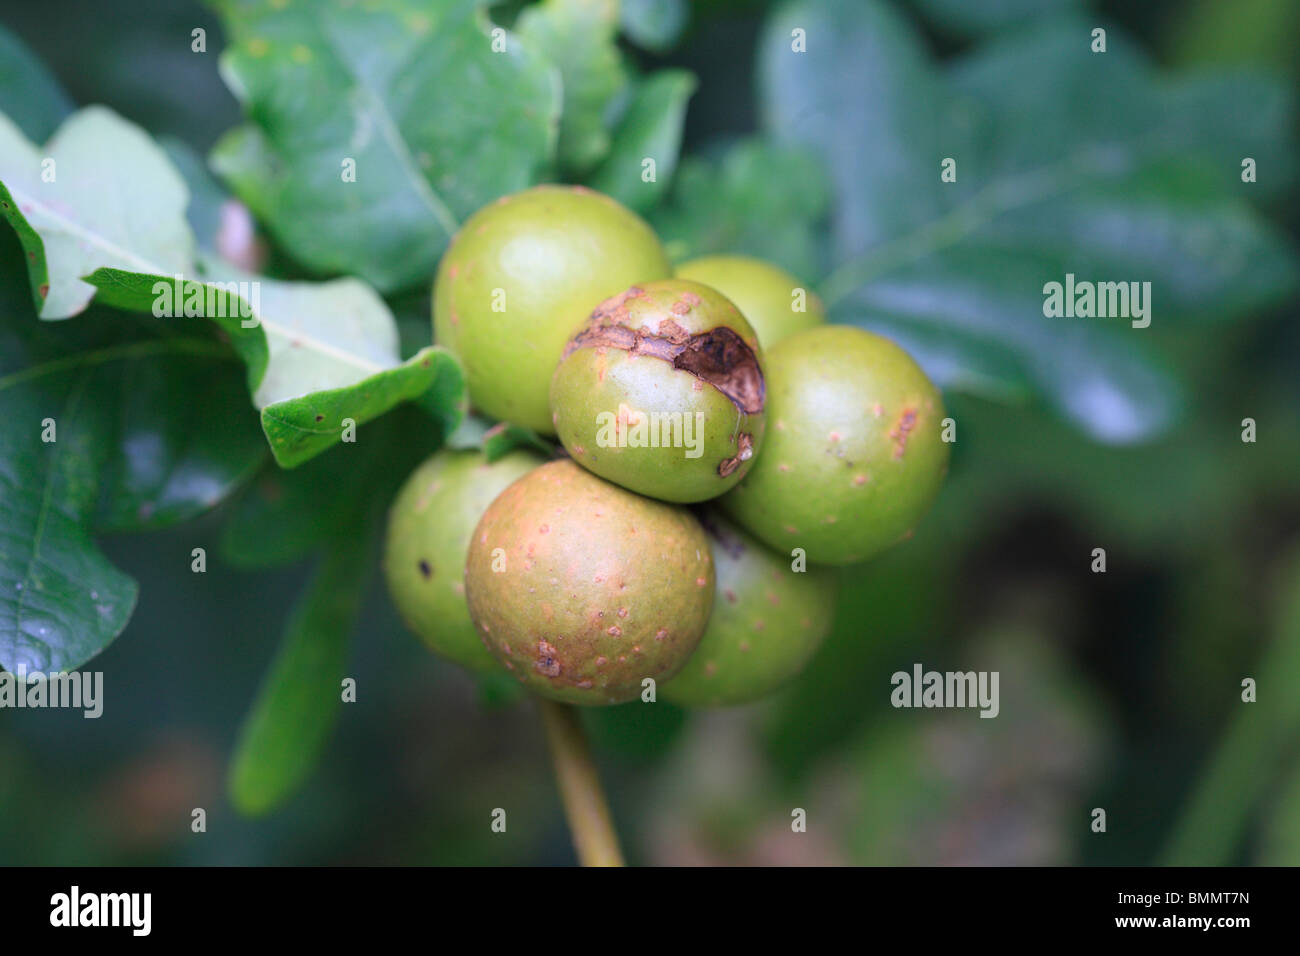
(1119, 690)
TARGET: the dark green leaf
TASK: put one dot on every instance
(1255, 744)
(1100, 168)
(318, 339)
(503, 438)
(1205, 257)
(1095, 373)
(988, 16)
(655, 25)
(650, 129)
(728, 205)
(29, 93)
(142, 439)
(956, 358)
(436, 123)
(284, 516)
(300, 428)
(317, 354)
(296, 708)
(865, 99)
(1120, 108)
(578, 36)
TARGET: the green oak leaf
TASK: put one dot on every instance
(651, 128)
(1104, 379)
(579, 37)
(319, 355)
(99, 194)
(29, 93)
(331, 353)
(503, 438)
(281, 517)
(332, 506)
(1102, 168)
(285, 733)
(655, 25)
(725, 204)
(410, 96)
(989, 16)
(109, 426)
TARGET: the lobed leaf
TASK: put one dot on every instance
(651, 129)
(317, 355)
(580, 38)
(725, 204)
(1101, 167)
(435, 122)
(109, 427)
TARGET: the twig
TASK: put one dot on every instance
(585, 807)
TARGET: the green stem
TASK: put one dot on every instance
(585, 807)
(1254, 748)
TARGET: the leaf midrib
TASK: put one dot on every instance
(144, 267)
(1003, 195)
(391, 134)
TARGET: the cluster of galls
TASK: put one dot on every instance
(718, 382)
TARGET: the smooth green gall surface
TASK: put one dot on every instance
(429, 529)
(767, 621)
(520, 276)
(662, 392)
(583, 589)
(774, 302)
(854, 453)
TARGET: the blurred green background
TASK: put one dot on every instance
(1119, 690)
